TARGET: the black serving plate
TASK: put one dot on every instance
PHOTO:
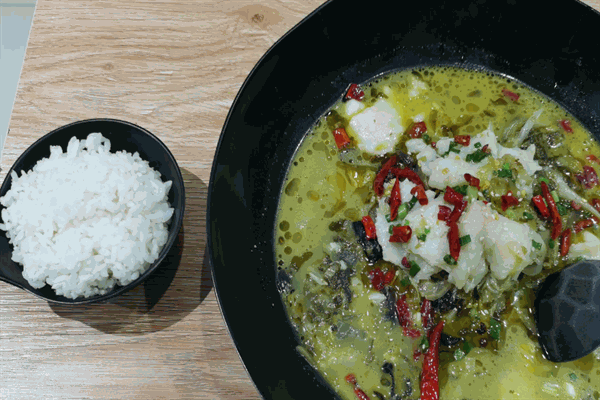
(122, 136)
(552, 49)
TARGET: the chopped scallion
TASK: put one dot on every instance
(465, 240)
(536, 245)
(555, 196)
(405, 282)
(551, 243)
(462, 189)
(459, 354)
(449, 259)
(477, 145)
(528, 216)
(495, 329)
(426, 138)
(545, 180)
(414, 269)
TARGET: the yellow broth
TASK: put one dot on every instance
(320, 191)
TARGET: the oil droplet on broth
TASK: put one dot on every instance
(292, 187)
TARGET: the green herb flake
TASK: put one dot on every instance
(462, 189)
(427, 139)
(476, 156)
(504, 173)
(424, 345)
(562, 210)
(551, 243)
(573, 376)
(465, 240)
(536, 245)
(459, 354)
(423, 236)
(495, 329)
(405, 282)
(528, 216)
(414, 269)
(449, 259)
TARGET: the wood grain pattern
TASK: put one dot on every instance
(174, 68)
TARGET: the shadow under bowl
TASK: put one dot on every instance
(123, 136)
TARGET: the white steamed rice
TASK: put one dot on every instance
(86, 220)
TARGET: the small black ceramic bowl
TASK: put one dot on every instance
(122, 136)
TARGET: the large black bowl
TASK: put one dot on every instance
(122, 136)
(552, 48)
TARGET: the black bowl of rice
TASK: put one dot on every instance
(89, 211)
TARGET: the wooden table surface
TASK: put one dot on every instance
(174, 68)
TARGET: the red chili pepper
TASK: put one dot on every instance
(556, 221)
(376, 276)
(433, 144)
(430, 388)
(486, 149)
(341, 138)
(508, 200)
(355, 92)
(565, 242)
(452, 196)
(382, 174)
(419, 192)
(360, 394)
(588, 178)
(566, 125)
(472, 181)
(454, 241)
(389, 276)
(584, 224)
(427, 315)
(595, 203)
(401, 234)
(351, 379)
(575, 206)
(417, 130)
(407, 173)
(538, 202)
(511, 95)
(369, 225)
(444, 213)
(416, 354)
(405, 263)
(403, 312)
(593, 158)
(411, 332)
(465, 140)
(456, 213)
(395, 200)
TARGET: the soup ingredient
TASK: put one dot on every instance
(86, 220)
(480, 197)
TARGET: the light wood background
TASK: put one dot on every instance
(174, 68)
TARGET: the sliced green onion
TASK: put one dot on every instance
(424, 345)
(405, 282)
(562, 210)
(449, 259)
(426, 138)
(388, 217)
(555, 196)
(412, 202)
(403, 211)
(573, 376)
(465, 240)
(477, 145)
(545, 180)
(536, 245)
(503, 173)
(528, 216)
(551, 243)
(423, 236)
(462, 189)
(495, 329)
(459, 354)
(414, 269)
